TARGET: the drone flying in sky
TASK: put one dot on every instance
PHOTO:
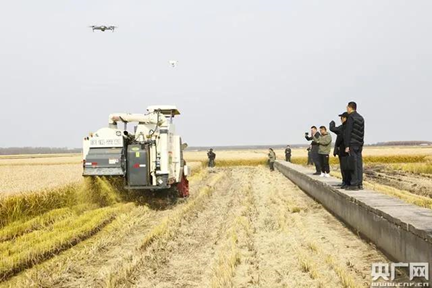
(103, 28)
(173, 63)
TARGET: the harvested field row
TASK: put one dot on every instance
(37, 178)
(241, 227)
(56, 236)
(39, 245)
(41, 177)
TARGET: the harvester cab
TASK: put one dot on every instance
(151, 158)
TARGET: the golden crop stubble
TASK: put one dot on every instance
(28, 178)
(34, 247)
(162, 232)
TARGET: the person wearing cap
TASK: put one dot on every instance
(288, 153)
(339, 148)
(211, 158)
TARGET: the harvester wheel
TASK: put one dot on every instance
(183, 187)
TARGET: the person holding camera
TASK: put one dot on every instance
(324, 147)
(314, 148)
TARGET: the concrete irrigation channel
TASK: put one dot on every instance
(241, 227)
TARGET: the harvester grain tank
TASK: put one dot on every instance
(150, 158)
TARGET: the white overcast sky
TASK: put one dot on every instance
(249, 72)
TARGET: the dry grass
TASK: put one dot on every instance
(376, 159)
(38, 225)
(229, 255)
(161, 233)
(372, 155)
(19, 173)
(25, 206)
(416, 168)
(241, 162)
(43, 221)
(49, 159)
(24, 179)
(227, 260)
(311, 252)
(236, 262)
(302, 153)
(38, 156)
(39, 245)
(405, 196)
(168, 223)
(52, 272)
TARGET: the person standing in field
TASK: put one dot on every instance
(211, 158)
(288, 153)
(354, 141)
(339, 148)
(324, 147)
(314, 148)
(272, 158)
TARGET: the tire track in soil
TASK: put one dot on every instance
(184, 260)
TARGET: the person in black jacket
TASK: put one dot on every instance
(314, 149)
(339, 148)
(309, 161)
(354, 141)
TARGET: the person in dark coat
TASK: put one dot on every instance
(288, 153)
(309, 161)
(314, 148)
(211, 158)
(354, 141)
(339, 148)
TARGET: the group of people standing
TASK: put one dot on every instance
(348, 147)
(320, 150)
(272, 156)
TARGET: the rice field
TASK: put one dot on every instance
(242, 226)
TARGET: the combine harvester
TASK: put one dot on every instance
(150, 159)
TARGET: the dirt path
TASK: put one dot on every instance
(241, 227)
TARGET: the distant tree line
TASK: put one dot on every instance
(281, 146)
(64, 150)
(37, 150)
(245, 147)
(402, 143)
